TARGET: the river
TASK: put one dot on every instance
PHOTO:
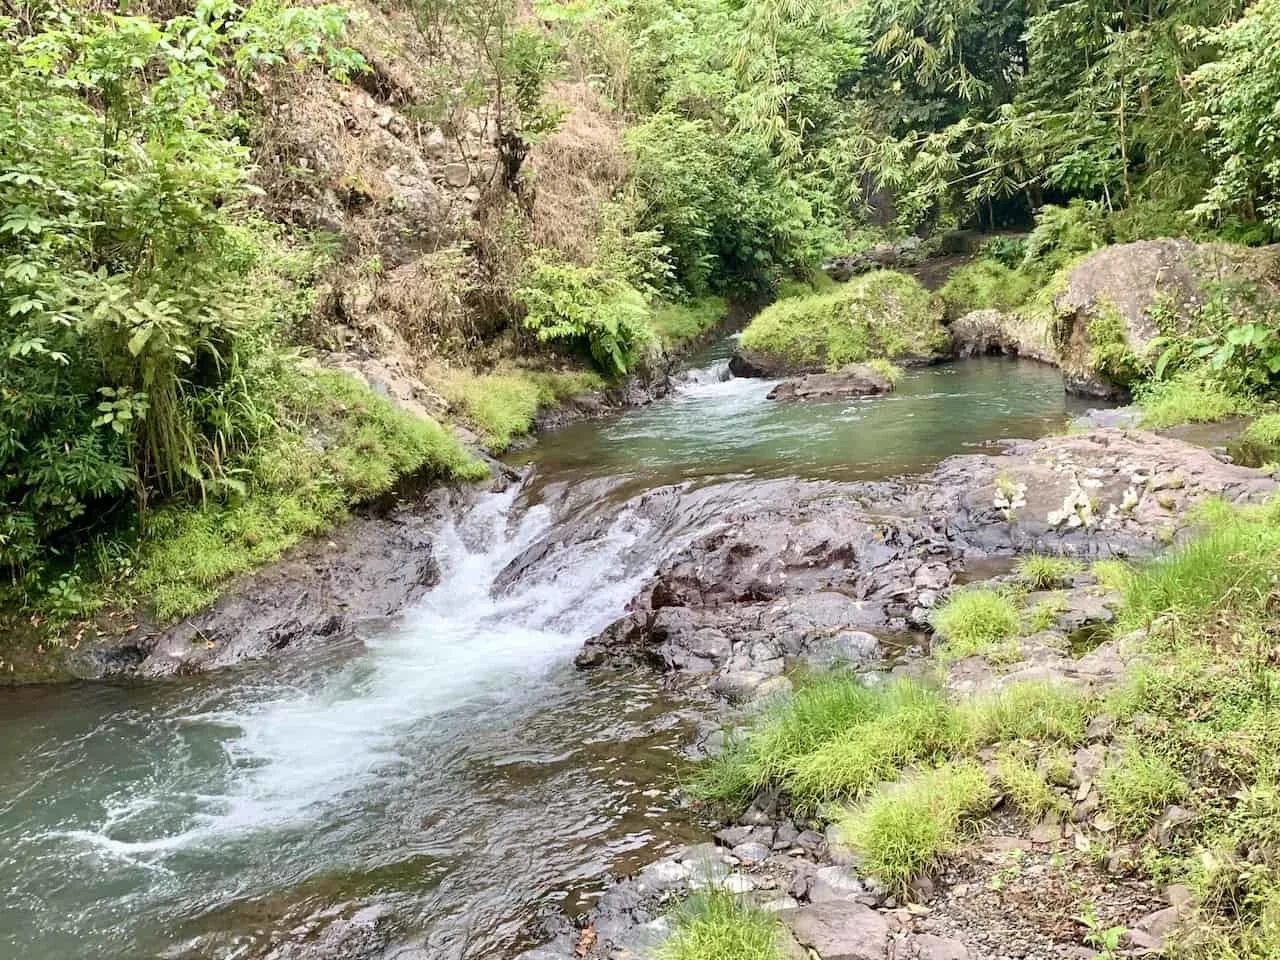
(450, 784)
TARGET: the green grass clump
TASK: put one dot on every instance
(824, 707)
(880, 314)
(1111, 574)
(1025, 787)
(1265, 431)
(675, 324)
(716, 925)
(1050, 712)
(502, 406)
(915, 724)
(1228, 568)
(342, 444)
(1187, 398)
(986, 284)
(974, 622)
(1045, 573)
(1137, 789)
(832, 741)
(1045, 613)
(887, 369)
(905, 831)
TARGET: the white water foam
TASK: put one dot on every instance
(289, 758)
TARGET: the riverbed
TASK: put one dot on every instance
(449, 785)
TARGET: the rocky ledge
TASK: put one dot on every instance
(825, 572)
(838, 572)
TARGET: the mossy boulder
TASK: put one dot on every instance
(881, 314)
(1110, 306)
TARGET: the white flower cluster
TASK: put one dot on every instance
(1010, 495)
(1077, 507)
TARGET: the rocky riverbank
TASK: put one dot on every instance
(819, 574)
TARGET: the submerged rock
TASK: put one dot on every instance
(855, 380)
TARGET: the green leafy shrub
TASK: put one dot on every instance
(976, 622)
(881, 314)
(986, 284)
(126, 307)
(905, 830)
(725, 206)
(1062, 234)
(585, 308)
(1233, 95)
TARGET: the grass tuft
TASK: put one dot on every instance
(1265, 431)
(1045, 613)
(832, 741)
(1187, 398)
(1138, 787)
(1024, 785)
(1049, 712)
(1046, 573)
(887, 369)
(1111, 574)
(905, 830)
(716, 925)
(1230, 567)
(974, 622)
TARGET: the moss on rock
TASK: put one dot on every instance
(881, 314)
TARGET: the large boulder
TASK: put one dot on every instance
(841, 930)
(982, 333)
(1115, 302)
(880, 314)
(855, 380)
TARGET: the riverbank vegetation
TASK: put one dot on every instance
(1182, 748)
(489, 207)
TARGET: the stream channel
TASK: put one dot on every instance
(451, 780)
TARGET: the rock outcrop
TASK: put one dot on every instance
(983, 333)
(1115, 302)
(825, 572)
(855, 380)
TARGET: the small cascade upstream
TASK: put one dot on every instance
(446, 785)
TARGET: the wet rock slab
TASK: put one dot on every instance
(820, 571)
(856, 380)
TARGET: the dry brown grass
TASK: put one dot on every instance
(575, 172)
